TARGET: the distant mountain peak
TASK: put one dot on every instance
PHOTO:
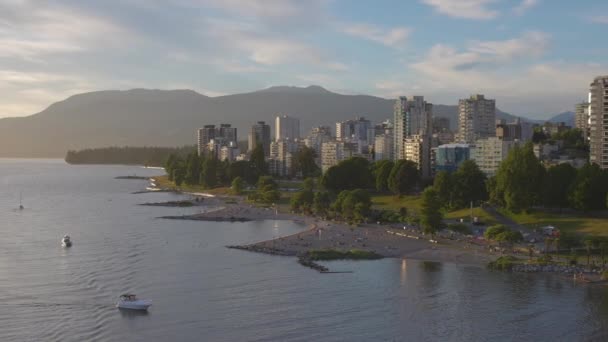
(312, 89)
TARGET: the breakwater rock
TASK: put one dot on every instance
(207, 218)
(526, 268)
(170, 204)
(305, 260)
(261, 249)
(132, 177)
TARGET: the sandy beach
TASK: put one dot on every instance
(388, 241)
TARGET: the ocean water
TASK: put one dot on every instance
(204, 292)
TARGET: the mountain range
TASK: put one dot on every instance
(148, 117)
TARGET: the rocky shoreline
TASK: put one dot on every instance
(181, 204)
(303, 259)
(206, 218)
(132, 177)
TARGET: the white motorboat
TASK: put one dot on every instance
(66, 242)
(131, 302)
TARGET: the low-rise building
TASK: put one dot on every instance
(490, 152)
(449, 157)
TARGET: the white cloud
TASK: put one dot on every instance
(444, 61)
(31, 29)
(532, 43)
(264, 8)
(469, 9)
(524, 6)
(395, 37)
(265, 48)
(508, 70)
(599, 19)
(30, 92)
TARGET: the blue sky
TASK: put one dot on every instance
(535, 57)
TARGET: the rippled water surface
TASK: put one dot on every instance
(205, 292)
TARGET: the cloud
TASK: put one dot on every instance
(509, 70)
(468, 9)
(524, 6)
(395, 37)
(531, 43)
(446, 60)
(263, 47)
(599, 19)
(31, 29)
(32, 91)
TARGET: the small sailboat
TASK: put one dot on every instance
(21, 201)
(131, 302)
(66, 241)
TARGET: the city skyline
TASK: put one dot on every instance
(517, 52)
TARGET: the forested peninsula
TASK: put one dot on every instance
(147, 156)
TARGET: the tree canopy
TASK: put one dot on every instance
(519, 179)
(353, 173)
(403, 177)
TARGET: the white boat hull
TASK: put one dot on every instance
(134, 305)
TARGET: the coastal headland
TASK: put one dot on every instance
(385, 240)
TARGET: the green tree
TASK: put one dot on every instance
(430, 213)
(354, 205)
(193, 169)
(308, 184)
(468, 184)
(209, 173)
(244, 170)
(302, 201)
(444, 187)
(382, 172)
(519, 179)
(237, 185)
(304, 163)
(178, 176)
(403, 177)
(321, 203)
(267, 191)
(510, 236)
(494, 231)
(353, 173)
(258, 161)
(495, 194)
(589, 189)
(557, 184)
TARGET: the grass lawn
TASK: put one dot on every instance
(392, 202)
(465, 214)
(568, 222)
(164, 183)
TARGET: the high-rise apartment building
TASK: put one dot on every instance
(210, 136)
(581, 118)
(417, 148)
(411, 117)
(287, 128)
(260, 134)
(383, 147)
(333, 152)
(517, 130)
(598, 121)
(476, 119)
(281, 156)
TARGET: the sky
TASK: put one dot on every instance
(535, 57)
